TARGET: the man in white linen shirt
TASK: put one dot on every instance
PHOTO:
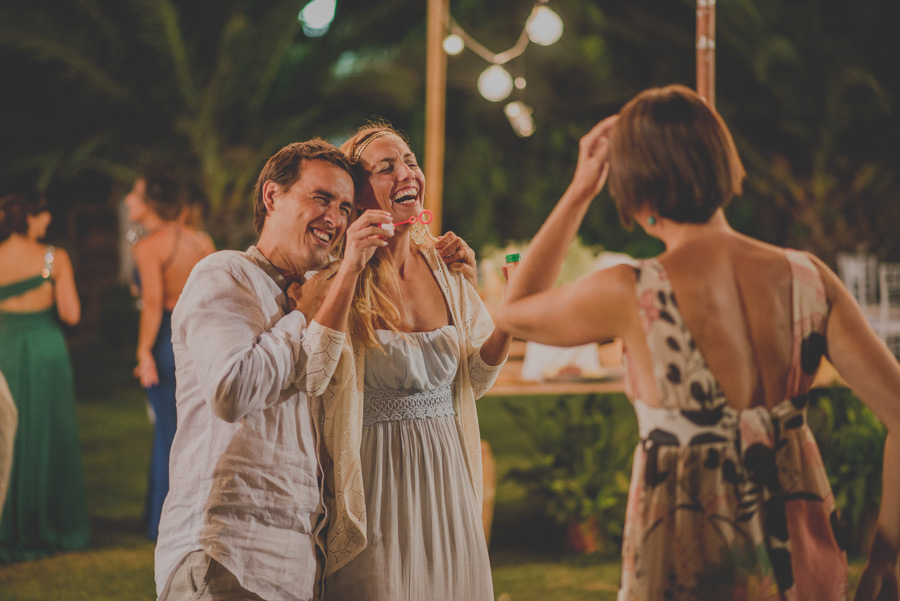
(244, 508)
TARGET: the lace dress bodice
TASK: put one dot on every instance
(413, 377)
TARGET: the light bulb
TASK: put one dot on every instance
(520, 83)
(544, 26)
(453, 44)
(495, 83)
(317, 16)
(519, 115)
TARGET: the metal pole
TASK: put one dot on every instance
(706, 50)
(435, 99)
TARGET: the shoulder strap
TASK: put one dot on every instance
(23, 286)
(49, 253)
(809, 312)
(171, 258)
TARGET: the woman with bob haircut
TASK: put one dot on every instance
(722, 335)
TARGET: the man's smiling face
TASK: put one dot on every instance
(309, 219)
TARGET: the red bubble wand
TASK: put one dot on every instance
(425, 217)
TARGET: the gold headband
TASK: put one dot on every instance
(359, 149)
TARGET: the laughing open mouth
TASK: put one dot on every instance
(322, 235)
(407, 196)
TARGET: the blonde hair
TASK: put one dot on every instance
(375, 300)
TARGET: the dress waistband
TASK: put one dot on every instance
(758, 425)
(395, 404)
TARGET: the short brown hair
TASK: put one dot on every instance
(673, 153)
(284, 168)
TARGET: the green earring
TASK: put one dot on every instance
(651, 220)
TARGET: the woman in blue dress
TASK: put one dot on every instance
(164, 257)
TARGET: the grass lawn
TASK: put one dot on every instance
(527, 555)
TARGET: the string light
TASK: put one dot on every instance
(543, 27)
(495, 83)
(519, 115)
(453, 44)
(316, 17)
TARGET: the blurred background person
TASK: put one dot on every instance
(9, 421)
(723, 335)
(46, 509)
(164, 257)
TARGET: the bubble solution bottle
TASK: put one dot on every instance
(512, 262)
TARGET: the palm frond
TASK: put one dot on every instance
(45, 39)
(160, 29)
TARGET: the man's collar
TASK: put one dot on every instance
(265, 264)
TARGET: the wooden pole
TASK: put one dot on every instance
(706, 50)
(435, 100)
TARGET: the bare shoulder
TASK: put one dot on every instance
(149, 247)
(19, 259)
(616, 283)
(833, 284)
(61, 258)
(622, 276)
(205, 241)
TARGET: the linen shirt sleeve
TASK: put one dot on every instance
(245, 350)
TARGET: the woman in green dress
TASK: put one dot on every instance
(45, 510)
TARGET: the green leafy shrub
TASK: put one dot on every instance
(579, 260)
(851, 441)
(584, 448)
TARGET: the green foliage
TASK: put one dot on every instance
(215, 87)
(580, 257)
(584, 448)
(851, 440)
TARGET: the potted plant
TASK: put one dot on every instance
(584, 446)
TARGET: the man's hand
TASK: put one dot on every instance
(458, 256)
(308, 297)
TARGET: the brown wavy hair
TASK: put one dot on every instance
(163, 193)
(15, 208)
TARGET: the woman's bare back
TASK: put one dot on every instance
(734, 294)
(21, 259)
(175, 250)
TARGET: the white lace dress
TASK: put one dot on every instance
(424, 531)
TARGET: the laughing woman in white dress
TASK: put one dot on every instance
(403, 476)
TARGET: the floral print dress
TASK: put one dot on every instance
(728, 504)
